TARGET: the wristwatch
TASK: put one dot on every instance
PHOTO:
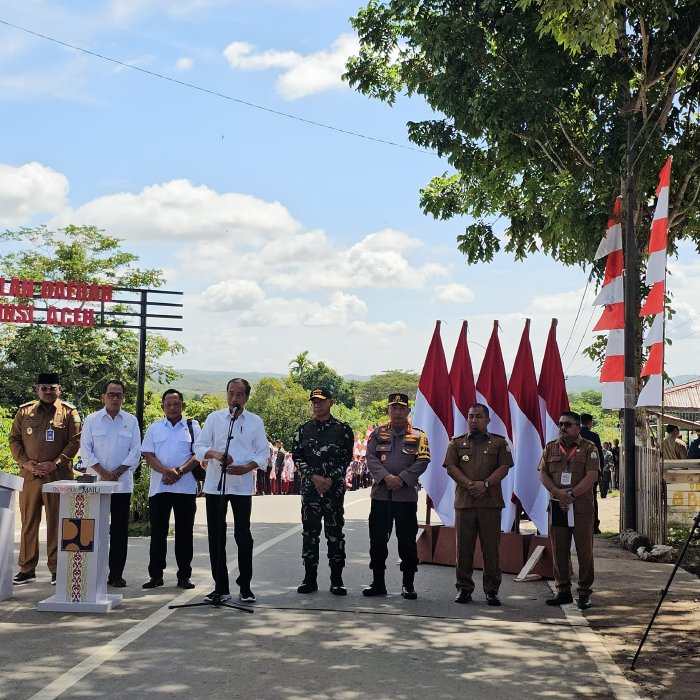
(486, 484)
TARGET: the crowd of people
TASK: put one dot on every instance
(233, 456)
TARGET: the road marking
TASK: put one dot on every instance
(110, 649)
(622, 688)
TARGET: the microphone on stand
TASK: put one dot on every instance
(234, 410)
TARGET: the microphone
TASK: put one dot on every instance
(234, 410)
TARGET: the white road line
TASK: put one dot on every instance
(622, 688)
(110, 649)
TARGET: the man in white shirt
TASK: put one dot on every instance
(168, 449)
(110, 446)
(248, 451)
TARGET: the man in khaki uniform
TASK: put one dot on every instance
(477, 462)
(673, 447)
(45, 437)
(568, 469)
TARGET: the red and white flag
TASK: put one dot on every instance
(527, 434)
(492, 391)
(552, 387)
(652, 392)
(612, 373)
(433, 415)
(462, 383)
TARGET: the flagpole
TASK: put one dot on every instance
(629, 520)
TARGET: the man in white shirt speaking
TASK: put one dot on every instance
(168, 449)
(248, 451)
(110, 446)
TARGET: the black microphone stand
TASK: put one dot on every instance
(216, 598)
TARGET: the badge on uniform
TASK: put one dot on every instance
(465, 458)
(50, 435)
(566, 478)
(29, 430)
(383, 457)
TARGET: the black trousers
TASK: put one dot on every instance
(216, 525)
(184, 506)
(118, 533)
(382, 516)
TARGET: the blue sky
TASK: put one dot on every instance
(283, 236)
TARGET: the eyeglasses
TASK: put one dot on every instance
(53, 387)
(114, 395)
(566, 424)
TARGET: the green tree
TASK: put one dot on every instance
(282, 405)
(7, 464)
(535, 101)
(381, 385)
(300, 365)
(320, 374)
(84, 357)
(200, 409)
(606, 423)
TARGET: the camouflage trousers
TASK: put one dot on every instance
(314, 509)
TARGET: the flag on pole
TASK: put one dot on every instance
(433, 415)
(652, 392)
(527, 434)
(552, 387)
(462, 383)
(612, 373)
(492, 391)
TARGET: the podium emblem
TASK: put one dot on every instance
(78, 535)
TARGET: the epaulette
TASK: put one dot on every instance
(67, 403)
(29, 403)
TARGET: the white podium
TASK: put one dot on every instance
(83, 547)
(9, 484)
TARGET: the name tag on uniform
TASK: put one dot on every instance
(566, 478)
(50, 435)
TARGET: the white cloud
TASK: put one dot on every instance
(454, 293)
(301, 75)
(232, 295)
(29, 190)
(184, 64)
(378, 329)
(343, 309)
(180, 210)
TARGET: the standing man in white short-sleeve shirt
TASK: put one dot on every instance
(248, 451)
(110, 446)
(168, 449)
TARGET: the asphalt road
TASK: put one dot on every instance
(312, 647)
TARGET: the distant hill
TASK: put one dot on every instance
(197, 381)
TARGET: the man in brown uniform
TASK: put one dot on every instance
(673, 447)
(45, 437)
(397, 454)
(477, 462)
(568, 469)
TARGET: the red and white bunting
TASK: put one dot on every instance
(612, 374)
(433, 414)
(652, 392)
(492, 390)
(462, 383)
(527, 434)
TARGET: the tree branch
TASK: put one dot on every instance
(585, 160)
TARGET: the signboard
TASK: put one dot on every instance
(49, 290)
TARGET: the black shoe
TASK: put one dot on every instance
(223, 597)
(408, 592)
(152, 582)
(116, 581)
(493, 599)
(463, 597)
(53, 579)
(337, 585)
(597, 531)
(307, 587)
(584, 602)
(374, 589)
(20, 579)
(185, 583)
(338, 588)
(246, 596)
(560, 599)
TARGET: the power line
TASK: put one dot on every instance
(222, 95)
(580, 306)
(580, 342)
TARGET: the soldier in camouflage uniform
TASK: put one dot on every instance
(322, 450)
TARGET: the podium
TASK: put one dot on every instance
(83, 547)
(9, 484)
